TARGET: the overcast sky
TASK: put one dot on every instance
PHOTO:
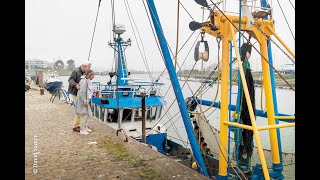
(62, 29)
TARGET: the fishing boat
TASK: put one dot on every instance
(52, 83)
(131, 106)
(135, 108)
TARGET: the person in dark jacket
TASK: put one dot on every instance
(73, 88)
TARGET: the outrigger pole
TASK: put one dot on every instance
(176, 86)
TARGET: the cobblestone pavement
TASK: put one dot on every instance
(54, 151)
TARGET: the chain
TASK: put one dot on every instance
(269, 38)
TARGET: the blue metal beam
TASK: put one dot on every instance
(176, 86)
(277, 168)
(233, 108)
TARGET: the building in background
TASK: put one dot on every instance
(35, 64)
(287, 69)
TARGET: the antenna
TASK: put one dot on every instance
(119, 29)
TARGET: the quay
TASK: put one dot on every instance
(54, 151)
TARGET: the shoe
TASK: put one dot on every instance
(84, 132)
(76, 129)
(88, 130)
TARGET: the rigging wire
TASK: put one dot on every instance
(161, 51)
(145, 61)
(156, 38)
(94, 29)
(215, 109)
(292, 5)
(186, 10)
(193, 95)
(183, 64)
(171, 52)
(253, 46)
(203, 84)
(160, 25)
(171, 105)
(286, 20)
(113, 18)
(114, 35)
(179, 52)
(177, 132)
(166, 40)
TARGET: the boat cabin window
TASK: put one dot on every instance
(152, 113)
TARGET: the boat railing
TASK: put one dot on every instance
(132, 93)
(132, 89)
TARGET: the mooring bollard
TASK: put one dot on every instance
(41, 91)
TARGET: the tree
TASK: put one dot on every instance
(71, 64)
(59, 65)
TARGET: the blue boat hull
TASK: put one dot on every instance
(52, 86)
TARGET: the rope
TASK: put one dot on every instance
(94, 29)
(219, 143)
(286, 20)
(177, 40)
(254, 47)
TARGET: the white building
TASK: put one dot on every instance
(287, 69)
(35, 63)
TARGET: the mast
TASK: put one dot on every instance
(118, 45)
(176, 86)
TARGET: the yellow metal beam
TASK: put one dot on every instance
(280, 40)
(239, 125)
(252, 117)
(276, 126)
(223, 164)
(269, 99)
(284, 117)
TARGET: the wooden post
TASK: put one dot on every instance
(40, 78)
(41, 91)
(143, 119)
